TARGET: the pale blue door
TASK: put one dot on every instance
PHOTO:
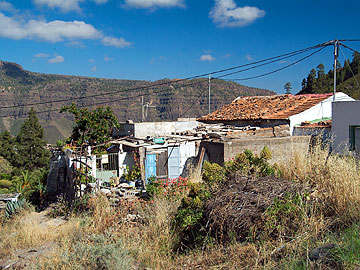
(173, 162)
(150, 166)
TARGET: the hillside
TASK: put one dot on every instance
(348, 79)
(178, 99)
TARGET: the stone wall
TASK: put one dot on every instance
(280, 147)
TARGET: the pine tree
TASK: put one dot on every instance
(31, 147)
(8, 148)
(287, 88)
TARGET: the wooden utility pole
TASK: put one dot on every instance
(336, 50)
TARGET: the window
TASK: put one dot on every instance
(354, 138)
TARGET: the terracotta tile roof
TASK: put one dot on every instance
(265, 107)
(320, 124)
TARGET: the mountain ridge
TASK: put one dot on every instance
(173, 98)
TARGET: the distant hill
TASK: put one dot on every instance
(348, 79)
(178, 99)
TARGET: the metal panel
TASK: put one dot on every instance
(174, 162)
(150, 165)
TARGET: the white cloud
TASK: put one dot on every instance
(154, 3)
(55, 31)
(207, 57)
(282, 62)
(228, 55)
(100, 2)
(75, 44)
(107, 58)
(56, 59)
(6, 6)
(226, 13)
(41, 55)
(249, 57)
(63, 5)
(93, 69)
(116, 42)
(91, 60)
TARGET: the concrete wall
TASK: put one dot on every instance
(154, 129)
(280, 147)
(159, 129)
(319, 111)
(345, 114)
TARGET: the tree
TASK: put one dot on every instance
(8, 148)
(303, 84)
(92, 127)
(31, 148)
(287, 88)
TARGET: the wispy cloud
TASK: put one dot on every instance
(41, 55)
(62, 5)
(107, 58)
(75, 44)
(100, 2)
(91, 60)
(8, 7)
(55, 31)
(282, 62)
(154, 3)
(249, 57)
(56, 59)
(93, 69)
(207, 57)
(116, 42)
(226, 13)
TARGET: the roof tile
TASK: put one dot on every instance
(265, 107)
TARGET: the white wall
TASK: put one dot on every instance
(187, 150)
(159, 129)
(345, 114)
(319, 111)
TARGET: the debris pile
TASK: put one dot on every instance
(241, 202)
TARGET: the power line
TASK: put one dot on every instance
(279, 57)
(277, 70)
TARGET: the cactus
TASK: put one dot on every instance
(12, 206)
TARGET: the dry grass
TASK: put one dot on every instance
(31, 229)
(335, 181)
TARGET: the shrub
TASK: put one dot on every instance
(5, 184)
(96, 253)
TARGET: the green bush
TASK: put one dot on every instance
(97, 253)
(5, 184)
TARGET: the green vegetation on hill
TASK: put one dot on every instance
(178, 99)
(348, 79)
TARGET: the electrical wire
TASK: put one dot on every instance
(279, 57)
(279, 69)
(349, 66)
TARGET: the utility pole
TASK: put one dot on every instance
(336, 50)
(209, 93)
(142, 109)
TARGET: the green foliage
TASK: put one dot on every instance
(135, 172)
(247, 163)
(31, 148)
(287, 88)
(12, 207)
(99, 252)
(94, 127)
(284, 217)
(5, 184)
(347, 77)
(8, 148)
(213, 174)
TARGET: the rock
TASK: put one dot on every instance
(105, 191)
(124, 185)
(320, 252)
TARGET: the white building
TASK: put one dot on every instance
(346, 126)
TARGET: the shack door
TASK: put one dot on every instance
(150, 166)
(174, 162)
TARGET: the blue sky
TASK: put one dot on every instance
(155, 39)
